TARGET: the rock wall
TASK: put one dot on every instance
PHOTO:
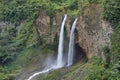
(49, 28)
(92, 33)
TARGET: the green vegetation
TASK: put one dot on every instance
(16, 11)
(18, 46)
(111, 14)
(94, 69)
(112, 11)
(111, 69)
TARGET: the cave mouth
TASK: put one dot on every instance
(79, 54)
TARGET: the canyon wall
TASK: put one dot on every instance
(92, 32)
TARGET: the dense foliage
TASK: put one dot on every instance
(112, 11)
(110, 70)
(112, 67)
(18, 10)
(24, 12)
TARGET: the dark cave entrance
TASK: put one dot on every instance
(79, 54)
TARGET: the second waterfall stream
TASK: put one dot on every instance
(71, 44)
(60, 63)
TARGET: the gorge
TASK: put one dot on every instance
(59, 40)
(60, 62)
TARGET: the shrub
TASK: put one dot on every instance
(97, 70)
(112, 11)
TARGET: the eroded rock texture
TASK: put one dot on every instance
(92, 32)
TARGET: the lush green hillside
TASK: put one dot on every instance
(18, 46)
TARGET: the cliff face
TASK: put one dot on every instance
(49, 28)
(92, 33)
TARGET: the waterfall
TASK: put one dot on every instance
(71, 44)
(60, 54)
(60, 46)
(37, 73)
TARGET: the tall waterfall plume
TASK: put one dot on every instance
(60, 46)
(60, 54)
(71, 44)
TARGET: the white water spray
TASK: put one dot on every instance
(71, 44)
(60, 46)
(37, 73)
(60, 53)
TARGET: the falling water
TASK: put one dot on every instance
(41, 72)
(71, 44)
(60, 53)
(60, 46)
